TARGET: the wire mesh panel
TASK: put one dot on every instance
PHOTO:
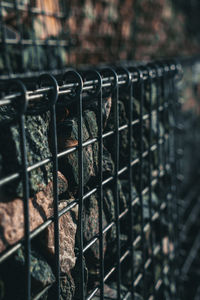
(92, 199)
(89, 183)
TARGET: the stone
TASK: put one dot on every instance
(68, 136)
(123, 136)
(12, 214)
(67, 287)
(67, 233)
(109, 203)
(37, 147)
(41, 274)
(91, 227)
(67, 130)
(40, 209)
(90, 230)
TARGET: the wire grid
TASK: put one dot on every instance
(129, 81)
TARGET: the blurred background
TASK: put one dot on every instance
(45, 34)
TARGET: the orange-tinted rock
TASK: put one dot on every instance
(40, 209)
(12, 213)
(67, 232)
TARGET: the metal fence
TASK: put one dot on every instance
(93, 201)
(122, 176)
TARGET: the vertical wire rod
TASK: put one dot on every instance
(26, 206)
(21, 107)
(115, 99)
(175, 181)
(166, 161)
(43, 80)
(78, 96)
(141, 95)
(80, 190)
(130, 178)
(128, 87)
(116, 193)
(100, 180)
(158, 95)
(100, 191)
(150, 177)
(141, 84)
(170, 197)
(55, 197)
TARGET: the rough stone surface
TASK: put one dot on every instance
(67, 232)
(67, 137)
(67, 287)
(91, 229)
(41, 275)
(37, 147)
(12, 215)
(91, 225)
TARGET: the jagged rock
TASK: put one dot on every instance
(12, 214)
(41, 275)
(91, 226)
(41, 208)
(123, 135)
(67, 288)
(37, 147)
(68, 137)
(67, 232)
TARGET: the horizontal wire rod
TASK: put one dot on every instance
(88, 85)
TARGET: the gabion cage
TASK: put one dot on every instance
(122, 171)
(93, 200)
